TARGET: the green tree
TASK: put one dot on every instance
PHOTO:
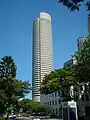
(30, 106)
(7, 76)
(26, 104)
(21, 89)
(81, 70)
(39, 108)
(11, 89)
(75, 4)
(77, 75)
(60, 79)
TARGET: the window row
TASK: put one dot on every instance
(54, 102)
(56, 94)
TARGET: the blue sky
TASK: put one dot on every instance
(16, 17)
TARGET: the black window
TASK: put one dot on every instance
(52, 95)
(59, 112)
(55, 102)
(55, 94)
(52, 102)
(59, 101)
(56, 111)
(58, 93)
(53, 111)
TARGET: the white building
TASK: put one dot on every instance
(80, 42)
(41, 52)
(53, 100)
(70, 62)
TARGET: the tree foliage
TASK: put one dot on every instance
(75, 4)
(31, 107)
(82, 68)
(59, 79)
(11, 89)
(77, 74)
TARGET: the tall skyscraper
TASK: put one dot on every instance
(80, 42)
(41, 53)
(89, 24)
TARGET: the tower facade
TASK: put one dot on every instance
(41, 52)
(80, 42)
(89, 24)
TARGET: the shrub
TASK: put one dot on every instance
(2, 118)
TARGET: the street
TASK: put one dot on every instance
(31, 118)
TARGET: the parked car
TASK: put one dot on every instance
(11, 116)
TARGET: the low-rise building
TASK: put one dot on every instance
(82, 97)
(53, 100)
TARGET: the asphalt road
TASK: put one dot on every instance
(31, 118)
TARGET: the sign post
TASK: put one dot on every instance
(69, 110)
